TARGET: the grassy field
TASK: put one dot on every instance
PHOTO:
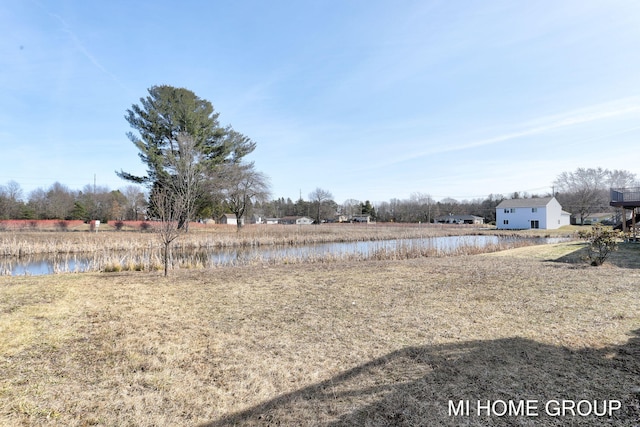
(371, 343)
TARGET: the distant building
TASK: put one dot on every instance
(607, 218)
(522, 214)
(229, 219)
(459, 219)
(298, 220)
(361, 218)
(341, 218)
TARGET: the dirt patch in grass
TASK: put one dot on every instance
(360, 343)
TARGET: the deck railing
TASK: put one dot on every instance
(625, 194)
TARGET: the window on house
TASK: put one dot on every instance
(534, 210)
(505, 222)
(535, 224)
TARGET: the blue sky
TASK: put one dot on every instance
(371, 100)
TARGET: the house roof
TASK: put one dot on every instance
(525, 203)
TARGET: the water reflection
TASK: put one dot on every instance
(44, 264)
(51, 264)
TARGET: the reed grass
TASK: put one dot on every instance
(151, 259)
(115, 251)
(22, 243)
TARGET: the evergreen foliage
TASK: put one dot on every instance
(178, 133)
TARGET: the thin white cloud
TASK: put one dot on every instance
(85, 52)
(549, 124)
(540, 126)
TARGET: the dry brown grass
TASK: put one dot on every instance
(113, 251)
(23, 243)
(362, 343)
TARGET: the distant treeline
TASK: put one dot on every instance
(582, 192)
(130, 203)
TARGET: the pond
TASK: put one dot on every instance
(383, 249)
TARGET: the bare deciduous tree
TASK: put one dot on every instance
(135, 201)
(422, 204)
(584, 191)
(184, 175)
(168, 206)
(173, 198)
(241, 185)
(59, 201)
(10, 196)
(351, 207)
(621, 179)
(318, 197)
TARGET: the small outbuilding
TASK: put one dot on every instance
(229, 219)
(523, 214)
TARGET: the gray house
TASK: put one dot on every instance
(361, 218)
(459, 219)
(298, 220)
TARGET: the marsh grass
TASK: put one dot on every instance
(352, 343)
(22, 243)
(152, 259)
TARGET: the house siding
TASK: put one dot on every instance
(520, 218)
(519, 214)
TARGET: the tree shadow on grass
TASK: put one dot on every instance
(626, 256)
(413, 387)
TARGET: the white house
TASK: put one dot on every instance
(519, 214)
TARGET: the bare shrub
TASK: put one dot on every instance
(145, 226)
(118, 225)
(62, 225)
(602, 241)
